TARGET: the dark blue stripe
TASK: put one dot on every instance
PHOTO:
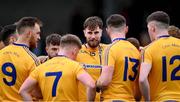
(164, 36)
(118, 39)
(23, 45)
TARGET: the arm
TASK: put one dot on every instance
(26, 88)
(143, 80)
(86, 79)
(137, 93)
(106, 76)
(42, 59)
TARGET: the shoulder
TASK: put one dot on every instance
(32, 56)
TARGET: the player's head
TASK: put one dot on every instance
(116, 24)
(53, 44)
(71, 45)
(156, 22)
(174, 31)
(93, 31)
(134, 41)
(30, 27)
(8, 34)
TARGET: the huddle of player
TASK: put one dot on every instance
(93, 71)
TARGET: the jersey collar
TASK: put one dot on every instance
(61, 56)
(117, 39)
(23, 45)
(163, 36)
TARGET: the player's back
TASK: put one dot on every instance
(125, 59)
(57, 79)
(164, 77)
(92, 61)
(16, 62)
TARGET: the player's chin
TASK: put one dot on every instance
(94, 45)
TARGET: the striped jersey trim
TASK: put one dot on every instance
(144, 50)
(107, 52)
(32, 55)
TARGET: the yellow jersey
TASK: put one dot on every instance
(92, 61)
(16, 63)
(164, 77)
(124, 57)
(57, 79)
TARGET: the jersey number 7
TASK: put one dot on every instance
(58, 76)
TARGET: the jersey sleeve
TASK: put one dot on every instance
(79, 69)
(34, 74)
(146, 56)
(109, 58)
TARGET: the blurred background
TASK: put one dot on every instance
(67, 16)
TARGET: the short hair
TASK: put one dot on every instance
(93, 22)
(27, 22)
(70, 39)
(134, 41)
(6, 32)
(174, 31)
(116, 21)
(159, 16)
(53, 39)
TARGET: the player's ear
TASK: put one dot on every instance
(12, 39)
(126, 29)
(46, 48)
(84, 31)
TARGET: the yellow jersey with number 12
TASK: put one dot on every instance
(164, 77)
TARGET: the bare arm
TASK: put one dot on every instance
(42, 59)
(26, 88)
(137, 93)
(105, 77)
(143, 80)
(86, 79)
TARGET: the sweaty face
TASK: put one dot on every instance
(93, 37)
(52, 50)
(35, 36)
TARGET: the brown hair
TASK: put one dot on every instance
(174, 31)
(161, 17)
(93, 22)
(53, 39)
(27, 22)
(134, 41)
(70, 39)
(116, 20)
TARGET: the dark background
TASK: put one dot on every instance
(67, 16)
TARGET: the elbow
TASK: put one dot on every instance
(142, 80)
(21, 92)
(92, 85)
(105, 83)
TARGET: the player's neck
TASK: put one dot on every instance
(162, 33)
(66, 53)
(22, 41)
(117, 35)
